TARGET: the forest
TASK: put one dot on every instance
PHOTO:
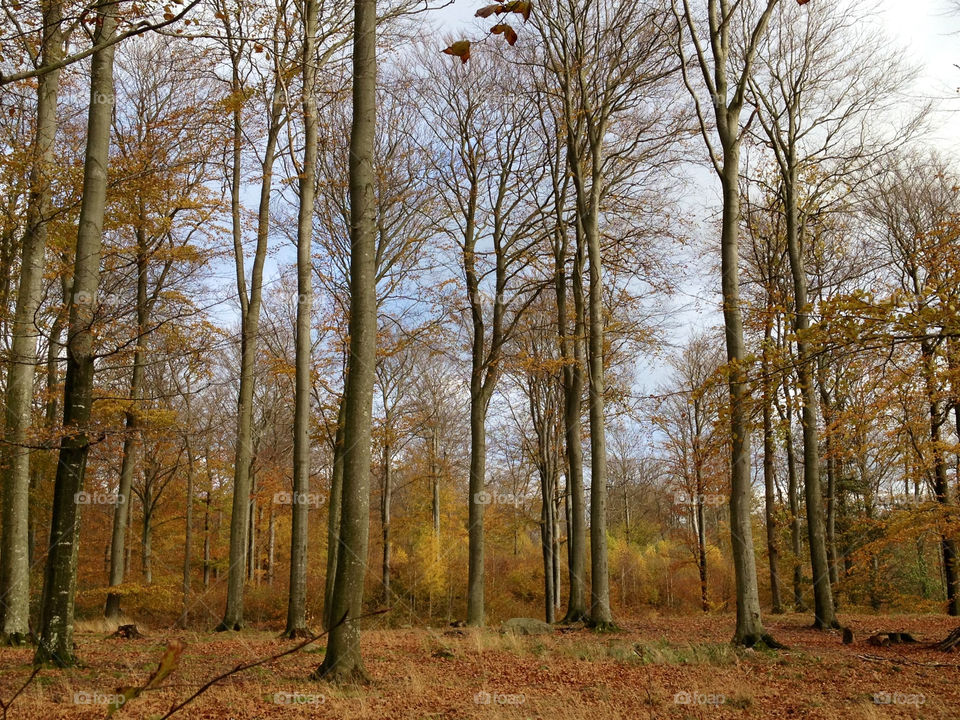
(568, 358)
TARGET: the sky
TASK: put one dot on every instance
(928, 31)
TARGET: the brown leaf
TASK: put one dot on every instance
(509, 34)
(488, 10)
(460, 49)
(523, 7)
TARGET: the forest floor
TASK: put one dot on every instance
(658, 666)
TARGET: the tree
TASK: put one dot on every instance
(14, 547)
(608, 135)
(237, 46)
(816, 98)
(342, 660)
(296, 608)
(164, 206)
(724, 53)
(488, 177)
(56, 614)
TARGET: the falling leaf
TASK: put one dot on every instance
(460, 49)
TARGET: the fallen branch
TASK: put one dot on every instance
(899, 660)
(256, 663)
(6, 705)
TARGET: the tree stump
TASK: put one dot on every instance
(127, 632)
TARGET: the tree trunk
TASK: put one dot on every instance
(206, 541)
(131, 438)
(701, 542)
(250, 324)
(188, 537)
(146, 544)
(941, 486)
(15, 543)
(749, 625)
(342, 660)
(60, 577)
(296, 607)
(333, 515)
(769, 451)
(271, 545)
(571, 349)
(600, 614)
(385, 500)
(546, 543)
(435, 478)
(477, 499)
(793, 498)
(824, 612)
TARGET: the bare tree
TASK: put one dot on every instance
(721, 48)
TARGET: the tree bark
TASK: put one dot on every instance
(769, 452)
(600, 613)
(749, 625)
(342, 660)
(188, 537)
(296, 607)
(824, 612)
(60, 577)
(793, 500)
(333, 515)
(571, 352)
(15, 545)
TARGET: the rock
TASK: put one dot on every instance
(527, 626)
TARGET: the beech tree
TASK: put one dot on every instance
(14, 546)
(719, 43)
(55, 644)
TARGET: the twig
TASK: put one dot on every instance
(247, 666)
(6, 705)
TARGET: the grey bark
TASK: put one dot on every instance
(296, 607)
(60, 577)
(714, 51)
(333, 515)
(15, 545)
(342, 660)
